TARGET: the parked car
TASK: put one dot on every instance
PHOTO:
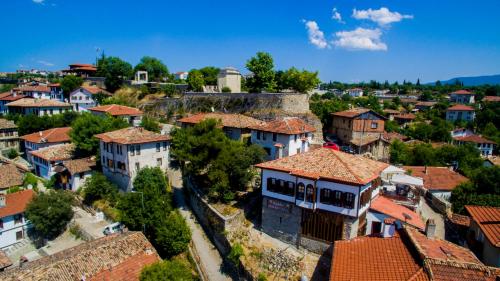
(331, 145)
(113, 228)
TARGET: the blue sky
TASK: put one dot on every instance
(372, 39)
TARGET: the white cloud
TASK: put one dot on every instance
(38, 1)
(316, 36)
(337, 16)
(45, 63)
(360, 39)
(381, 16)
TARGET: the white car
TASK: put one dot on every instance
(113, 228)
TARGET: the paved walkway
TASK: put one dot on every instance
(427, 212)
(211, 261)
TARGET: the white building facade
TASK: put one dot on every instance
(13, 224)
(124, 152)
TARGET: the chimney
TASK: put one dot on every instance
(430, 228)
(3, 200)
(389, 228)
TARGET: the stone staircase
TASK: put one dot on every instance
(12, 249)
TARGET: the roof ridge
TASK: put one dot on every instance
(347, 167)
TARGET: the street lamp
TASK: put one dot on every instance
(142, 202)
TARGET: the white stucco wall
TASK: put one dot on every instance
(291, 144)
(81, 100)
(9, 230)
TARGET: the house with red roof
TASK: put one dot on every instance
(484, 233)
(81, 69)
(39, 107)
(131, 114)
(13, 224)
(283, 137)
(44, 139)
(85, 97)
(6, 98)
(50, 92)
(462, 96)
(438, 181)
(406, 254)
(46, 160)
(460, 112)
(314, 198)
(124, 152)
(235, 126)
(484, 145)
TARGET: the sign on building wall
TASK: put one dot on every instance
(279, 205)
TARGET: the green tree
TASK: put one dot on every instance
(210, 75)
(205, 151)
(324, 108)
(150, 124)
(300, 81)
(167, 270)
(157, 71)
(86, 126)
(226, 90)
(262, 68)
(98, 187)
(12, 153)
(173, 235)
(114, 70)
(195, 80)
(70, 83)
(50, 212)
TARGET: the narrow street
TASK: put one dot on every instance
(211, 261)
(428, 213)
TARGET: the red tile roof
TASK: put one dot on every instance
(53, 135)
(227, 119)
(328, 164)
(409, 255)
(375, 259)
(351, 112)
(407, 116)
(459, 219)
(75, 166)
(132, 135)
(474, 139)
(29, 102)
(393, 136)
(488, 219)
(56, 152)
(117, 110)
(4, 260)
(15, 203)
(386, 206)
(95, 90)
(8, 96)
(7, 124)
(460, 107)
(287, 126)
(463, 92)
(491, 99)
(10, 176)
(437, 178)
(114, 257)
(33, 89)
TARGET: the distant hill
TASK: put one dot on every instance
(473, 81)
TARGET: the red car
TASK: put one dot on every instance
(331, 145)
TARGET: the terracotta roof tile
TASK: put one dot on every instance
(287, 125)
(351, 112)
(488, 219)
(28, 102)
(328, 164)
(426, 103)
(132, 135)
(459, 219)
(460, 107)
(366, 140)
(9, 96)
(391, 111)
(75, 166)
(33, 89)
(4, 260)
(393, 136)
(386, 206)
(406, 116)
(10, 176)
(114, 257)
(53, 135)
(437, 178)
(227, 120)
(474, 139)
(491, 99)
(15, 203)
(462, 92)
(117, 110)
(374, 259)
(56, 152)
(95, 90)
(7, 124)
